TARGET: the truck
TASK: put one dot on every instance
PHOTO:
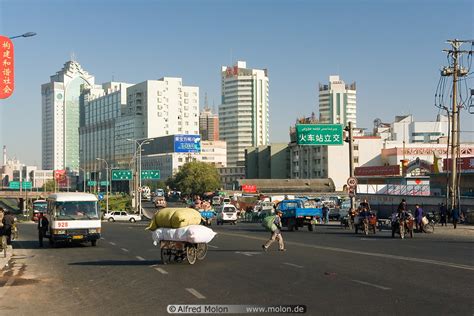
(298, 213)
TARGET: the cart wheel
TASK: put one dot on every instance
(191, 254)
(165, 256)
(201, 251)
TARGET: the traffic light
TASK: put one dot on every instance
(347, 134)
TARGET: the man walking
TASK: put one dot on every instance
(8, 221)
(419, 217)
(275, 227)
(443, 212)
(43, 224)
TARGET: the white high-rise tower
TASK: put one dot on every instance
(244, 112)
(337, 102)
(60, 100)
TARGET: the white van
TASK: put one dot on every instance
(73, 217)
(227, 213)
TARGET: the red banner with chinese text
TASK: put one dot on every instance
(61, 178)
(249, 188)
(7, 82)
(393, 170)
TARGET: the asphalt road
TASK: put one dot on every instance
(331, 270)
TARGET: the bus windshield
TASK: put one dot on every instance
(39, 206)
(77, 210)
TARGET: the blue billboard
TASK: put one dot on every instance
(187, 143)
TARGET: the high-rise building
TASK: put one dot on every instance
(60, 116)
(337, 102)
(244, 112)
(208, 125)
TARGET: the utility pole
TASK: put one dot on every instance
(456, 72)
(350, 140)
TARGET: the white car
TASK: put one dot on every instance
(226, 213)
(122, 216)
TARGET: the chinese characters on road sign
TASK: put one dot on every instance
(6, 67)
(319, 134)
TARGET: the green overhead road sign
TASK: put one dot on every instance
(319, 134)
(104, 183)
(118, 175)
(15, 185)
(150, 174)
(91, 183)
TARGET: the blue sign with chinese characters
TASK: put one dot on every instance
(187, 143)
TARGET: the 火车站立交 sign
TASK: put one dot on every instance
(7, 82)
(319, 134)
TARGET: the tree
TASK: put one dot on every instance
(196, 178)
(49, 186)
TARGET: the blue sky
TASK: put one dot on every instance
(391, 49)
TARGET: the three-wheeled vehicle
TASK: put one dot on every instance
(178, 251)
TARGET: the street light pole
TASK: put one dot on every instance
(139, 169)
(107, 182)
(28, 34)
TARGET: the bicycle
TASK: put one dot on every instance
(428, 225)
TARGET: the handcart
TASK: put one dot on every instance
(178, 251)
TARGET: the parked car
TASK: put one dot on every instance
(121, 216)
(227, 213)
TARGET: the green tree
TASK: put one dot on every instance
(196, 178)
(49, 186)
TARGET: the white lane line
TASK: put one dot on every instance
(102, 238)
(211, 246)
(112, 243)
(292, 265)
(371, 254)
(126, 250)
(373, 285)
(140, 258)
(195, 293)
(161, 270)
(130, 228)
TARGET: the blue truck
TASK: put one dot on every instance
(299, 213)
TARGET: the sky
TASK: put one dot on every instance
(391, 49)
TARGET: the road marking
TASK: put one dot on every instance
(161, 270)
(126, 250)
(195, 293)
(102, 238)
(292, 265)
(248, 253)
(112, 243)
(368, 239)
(140, 258)
(211, 246)
(130, 228)
(373, 285)
(371, 254)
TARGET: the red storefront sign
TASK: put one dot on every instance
(377, 171)
(249, 188)
(465, 164)
(7, 82)
(61, 178)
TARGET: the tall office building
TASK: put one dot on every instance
(208, 125)
(244, 112)
(60, 100)
(337, 102)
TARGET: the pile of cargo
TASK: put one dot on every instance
(179, 224)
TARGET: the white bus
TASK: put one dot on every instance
(73, 217)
